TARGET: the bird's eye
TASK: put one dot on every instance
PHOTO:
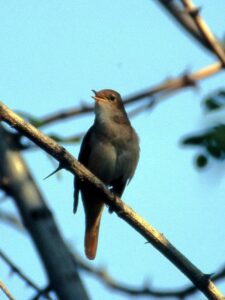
(112, 98)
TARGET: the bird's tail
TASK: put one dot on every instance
(93, 218)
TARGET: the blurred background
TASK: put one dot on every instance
(53, 54)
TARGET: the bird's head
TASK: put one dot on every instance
(109, 106)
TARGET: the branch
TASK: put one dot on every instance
(114, 284)
(185, 21)
(63, 276)
(109, 281)
(15, 269)
(156, 94)
(6, 291)
(11, 220)
(42, 293)
(201, 281)
(205, 30)
(28, 281)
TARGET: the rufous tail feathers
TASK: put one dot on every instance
(93, 218)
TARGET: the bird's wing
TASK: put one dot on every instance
(83, 158)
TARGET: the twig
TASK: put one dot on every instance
(205, 30)
(41, 293)
(160, 91)
(202, 281)
(108, 280)
(18, 271)
(6, 291)
(185, 21)
(11, 219)
(114, 284)
(62, 115)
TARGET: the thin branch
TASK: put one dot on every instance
(15, 269)
(66, 114)
(145, 290)
(159, 92)
(114, 284)
(201, 281)
(184, 19)
(42, 293)
(11, 219)
(6, 291)
(205, 30)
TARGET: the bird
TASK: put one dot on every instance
(110, 150)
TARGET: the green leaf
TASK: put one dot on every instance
(201, 161)
(215, 101)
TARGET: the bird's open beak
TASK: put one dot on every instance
(96, 98)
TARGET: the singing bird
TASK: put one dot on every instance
(110, 150)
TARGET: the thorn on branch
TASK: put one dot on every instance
(208, 276)
(204, 279)
(59, 168)
(193, 12)
(189, 81)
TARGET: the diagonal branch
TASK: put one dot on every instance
(156, 94)
(184, 19)
(18, 271)
(205, 30)
(6, 291)
(11, 219)
(66, 160)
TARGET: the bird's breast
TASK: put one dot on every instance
(114, 153)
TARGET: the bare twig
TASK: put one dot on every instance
(42, 293)
(14, 269)
(67, 161)
(18, 271)
(205, 30)
(159, 92)
(66, 114)
(11, 220)
(145, 290)
(6, 291)
(114, 284)
(184, 19)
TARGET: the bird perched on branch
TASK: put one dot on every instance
(110, 150)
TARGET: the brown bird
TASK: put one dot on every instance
(110, 150)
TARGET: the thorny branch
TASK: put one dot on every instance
(204, 30)
(184, 19)
(66, 160)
